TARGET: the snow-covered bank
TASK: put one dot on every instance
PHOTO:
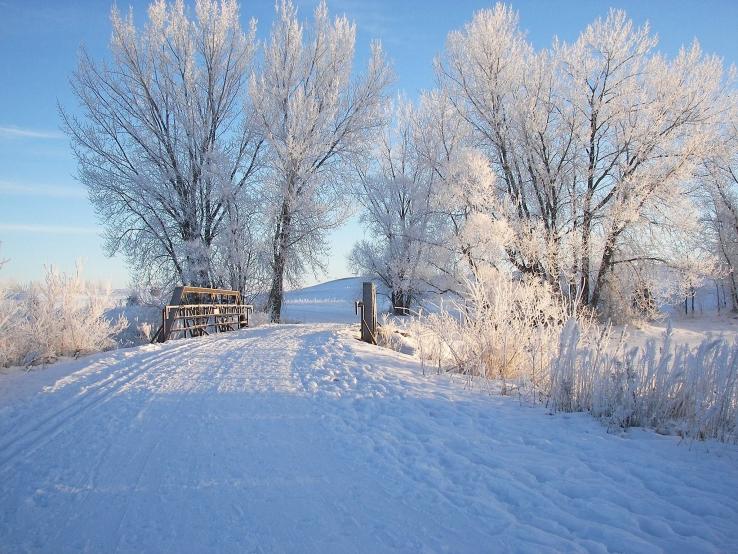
(299, 438)
(690, 330)
(330, 302)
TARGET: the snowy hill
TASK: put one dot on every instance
(330, 302)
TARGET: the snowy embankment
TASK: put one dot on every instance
(330, 302)
(300, 438)
(689, 330)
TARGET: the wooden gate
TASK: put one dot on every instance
(197, 311)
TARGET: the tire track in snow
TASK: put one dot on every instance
(196, 358)
(119, 535)
(30, 438)
(273, 351)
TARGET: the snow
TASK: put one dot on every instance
(331, 302)
(690, 330)
(301, 438)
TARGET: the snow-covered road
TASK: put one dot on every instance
(299, 438)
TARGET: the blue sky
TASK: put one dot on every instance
(45, 217)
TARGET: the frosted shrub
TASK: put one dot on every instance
(258, 318)
(409, 335)
(63, 315)
(143, 322)
(674, 389)
(499, 328)
(520, 334)
(390, 333)
(144, 330)
(9, 347)
(429, 344)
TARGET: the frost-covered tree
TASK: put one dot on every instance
(395, 191)
(720, 200)
(240, 254)
(472, 231)
(316, 118)
(505, 91)
(164, 140)
(593, 144)
(469, 223)
(645, 125)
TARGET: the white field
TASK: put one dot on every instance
(331, 302)
(690, 330)
(300, 438)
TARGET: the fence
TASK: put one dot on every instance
(198, 311)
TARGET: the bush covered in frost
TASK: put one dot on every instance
(498, 327)
(673, 388)
(63, 315)
(528, 339)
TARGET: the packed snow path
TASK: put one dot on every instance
(301, 439)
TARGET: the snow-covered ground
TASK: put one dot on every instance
(331, 302)
(300, 438)
(691, 330)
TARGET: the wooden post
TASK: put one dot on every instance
(369, 312)
(168, 325)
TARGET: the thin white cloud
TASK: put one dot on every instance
(48, 229)
(11, 131)
(52, 191)
(378, 24)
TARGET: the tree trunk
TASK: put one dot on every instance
(197, 265)
(733, 291)
(584, 284)
(400, 302)
(606, 265)
(587, 215)
(276, 293)
(279, 262)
